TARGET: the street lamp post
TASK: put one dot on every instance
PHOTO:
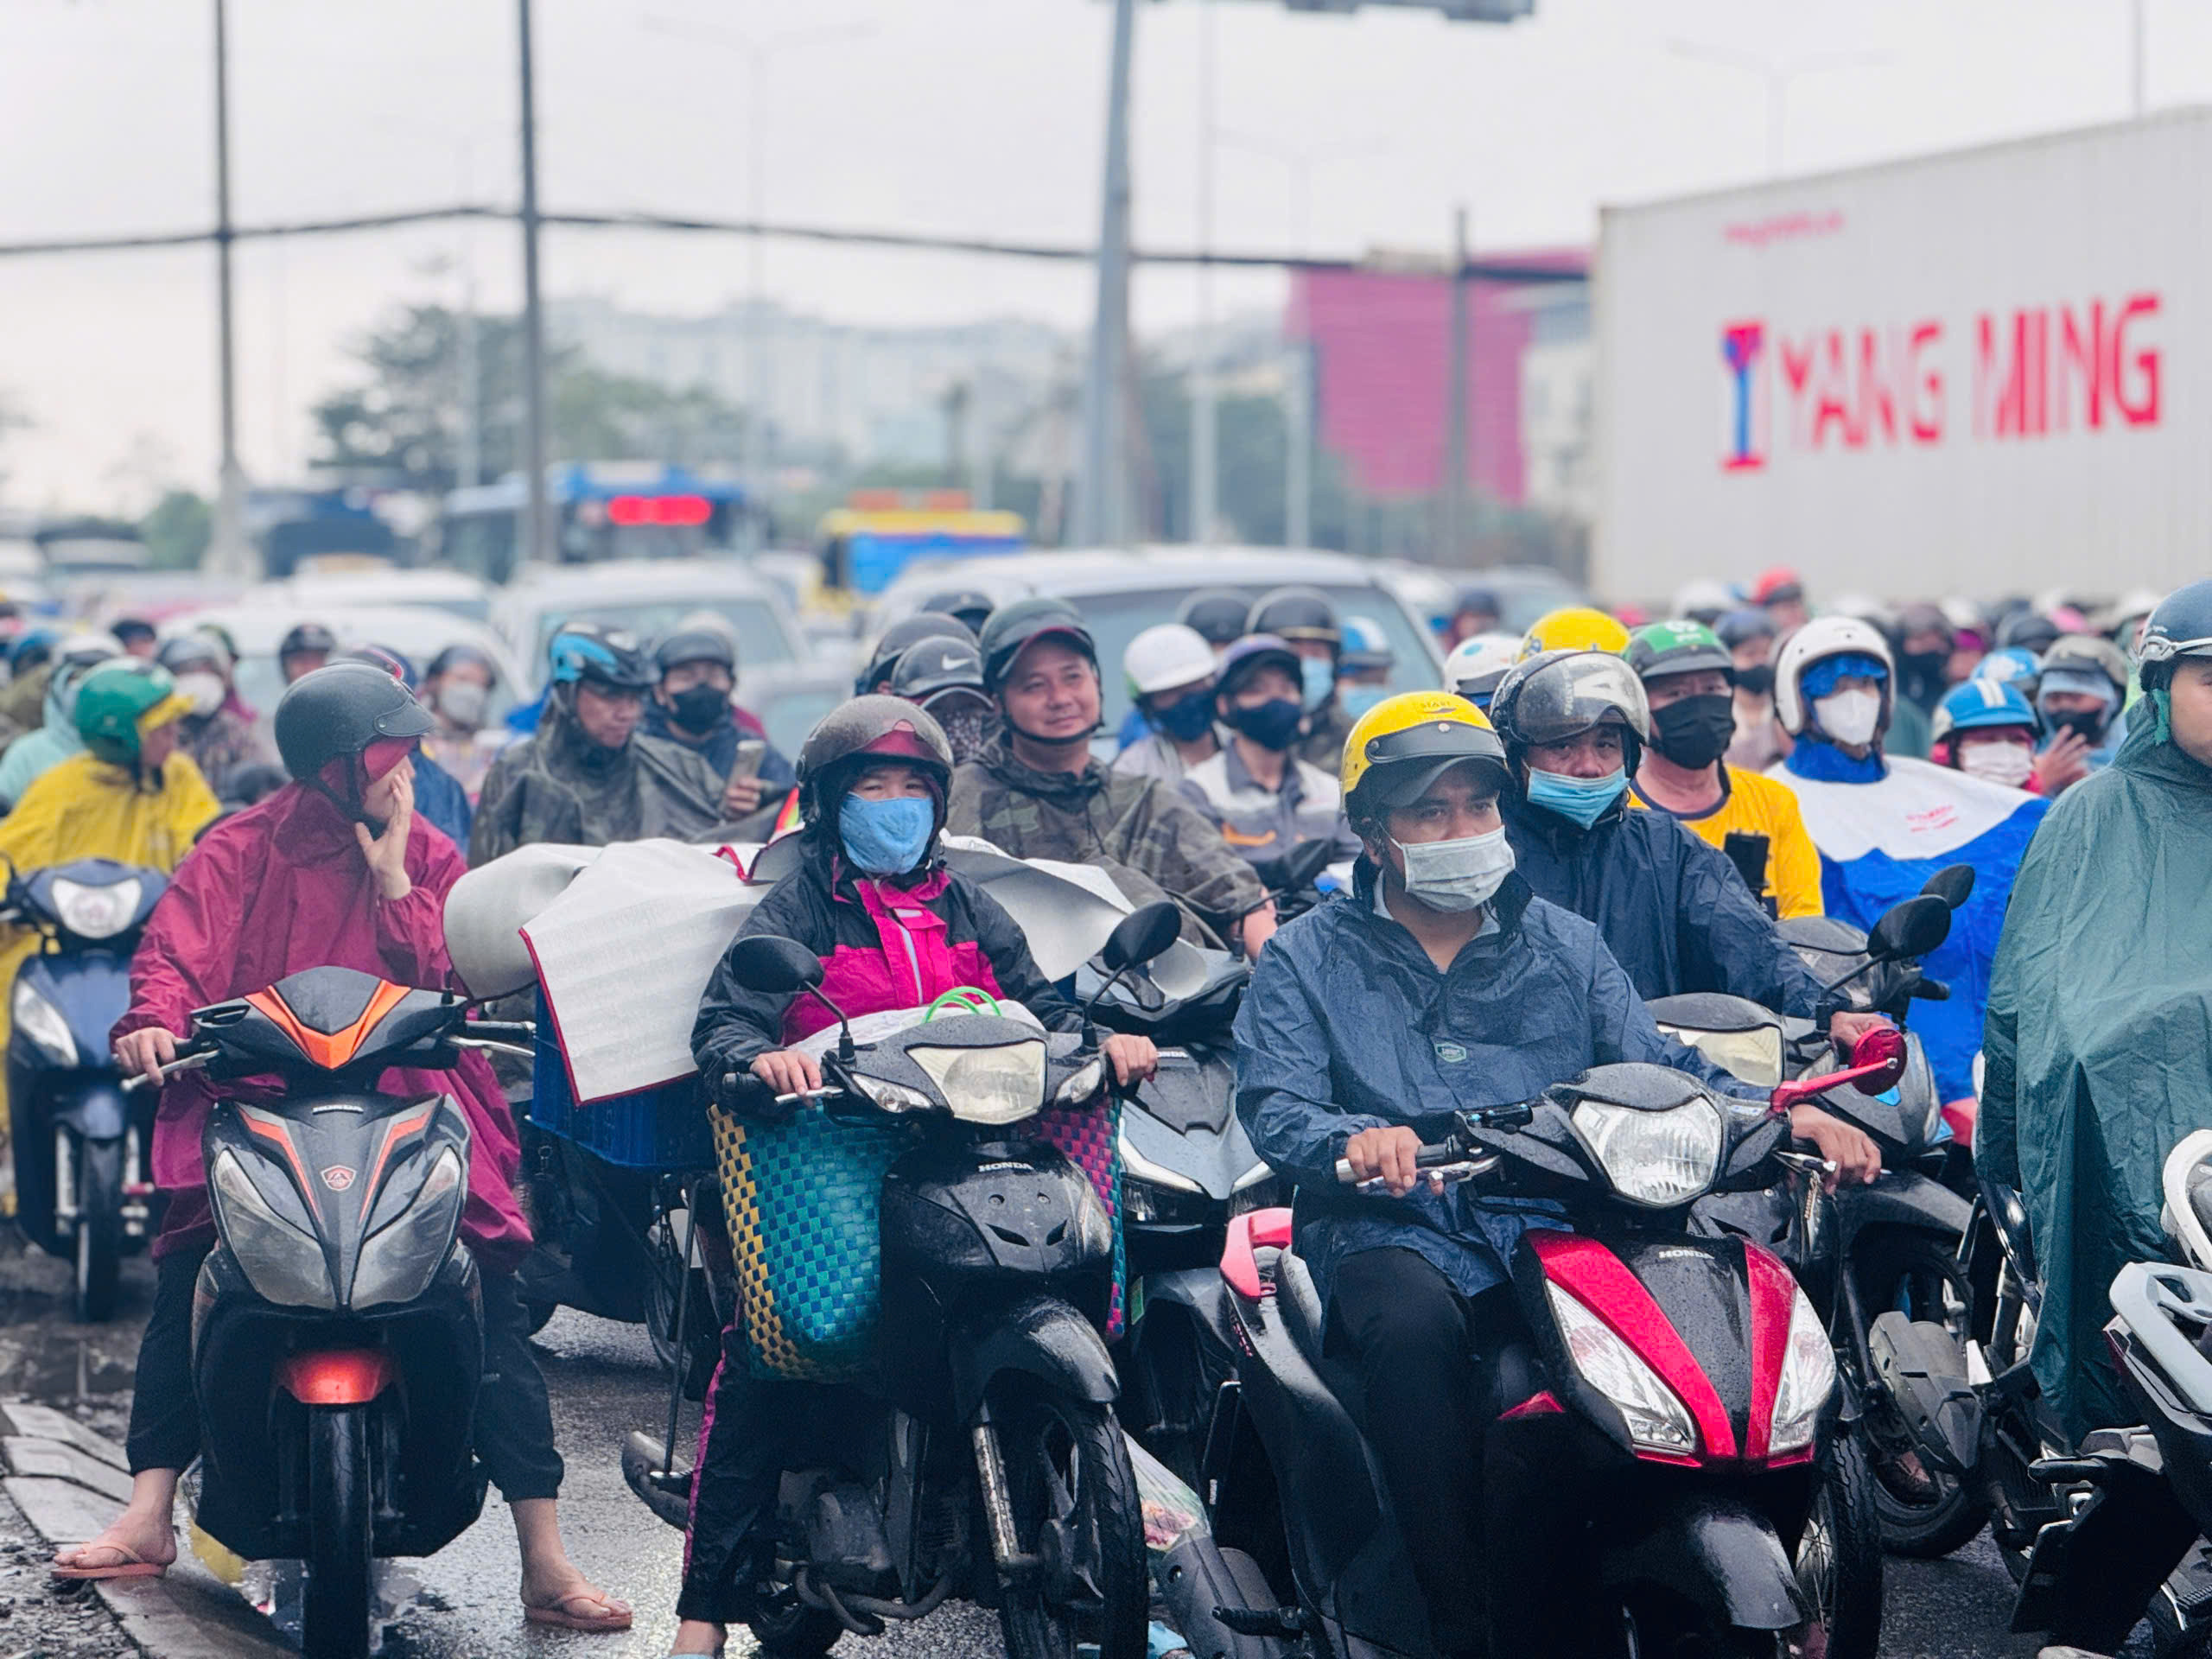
(537, 511)
(1205, 434)
(230, 554)
(1102, 495)
(1778, 73)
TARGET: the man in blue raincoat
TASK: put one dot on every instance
(1438, 984)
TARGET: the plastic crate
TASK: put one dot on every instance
(655, 1129)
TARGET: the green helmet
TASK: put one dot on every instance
(1658, 649)
(115, 702)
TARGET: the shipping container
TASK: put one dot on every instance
(1981, 373)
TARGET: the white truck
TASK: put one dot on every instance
(1980, 373)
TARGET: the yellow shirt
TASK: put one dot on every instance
(1759, 806)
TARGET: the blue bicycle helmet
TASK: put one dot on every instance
(607, 657)
(1979, 704)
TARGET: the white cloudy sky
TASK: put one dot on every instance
(960, 116)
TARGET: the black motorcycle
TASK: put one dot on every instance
(993, 1469)
(337, 1341)
(83, 1188)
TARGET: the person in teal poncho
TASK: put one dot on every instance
(2098, 1043)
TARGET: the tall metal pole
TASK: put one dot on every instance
(230, 553)
(1102, 502)
(2135, 54)
(1205, 418)
(1452, 546)
(1297, 434)
(536, 517)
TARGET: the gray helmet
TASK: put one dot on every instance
(1558, 695)
(1013, 628)
(183, 652)
(864, 729)
(695, 645)
(2181, 627)
(2079, 656)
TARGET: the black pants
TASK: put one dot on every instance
(514, 1419)
(1424, 1355)
(752, 1431)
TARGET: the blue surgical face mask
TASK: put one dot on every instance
(1318, 675)
(887, 837)
(1187, 719)
(1358, 699)
(1584, 800)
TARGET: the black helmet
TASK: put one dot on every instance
(1014, 628)
(306, 637)
(935, 664)
(2181, 627)
(969, 606)
(871, 728)
(1216, 614)
(2030, 629)
(1296, 614)
(1247, 657)
(1557, 695)
(695, 645)
(607, 657)
(894, 639)
(340, 710)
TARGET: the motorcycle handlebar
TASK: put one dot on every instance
(1429, 1157)
(187, 1060)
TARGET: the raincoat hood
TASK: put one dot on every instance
(2098, 1045)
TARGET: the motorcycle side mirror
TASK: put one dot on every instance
(1880, 1053)
(1142, 935)
(1303, 864)
(776, 966)
(1911, 928)
(1953, 885)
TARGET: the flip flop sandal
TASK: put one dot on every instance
(583, 1610)
(132, 1566)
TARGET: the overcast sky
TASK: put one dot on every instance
(980, 117)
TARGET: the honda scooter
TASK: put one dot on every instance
(1678, 1392)
(84, 1189)
(994, 1468)
(337, 1330)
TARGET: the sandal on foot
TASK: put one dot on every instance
(132, 1566)
(581, 1610)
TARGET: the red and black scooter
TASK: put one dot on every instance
(1675, 1395)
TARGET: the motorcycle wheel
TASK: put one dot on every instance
(1069, 1479)
(336, 1614)
(1839, 1558)
(1925, 1513)
(701, 1331)
(786, 1628)
(99, 1228)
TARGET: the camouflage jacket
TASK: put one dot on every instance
(557, 785)
(222, 744)
(1146, 835)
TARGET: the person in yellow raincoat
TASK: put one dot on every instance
(130, 796)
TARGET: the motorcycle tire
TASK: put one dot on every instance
(1925, 1513)
(1839, 1557)
(99, 1229)
(702, 1333)
(335, 1621)
(1067, 1470)
(538, 1315)
(791, 1629)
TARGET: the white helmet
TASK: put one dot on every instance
(1704, 598)
(1161, 658)
(1822, 638)
(1478, 662)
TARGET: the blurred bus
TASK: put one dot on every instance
(866, 542)
(601, 510)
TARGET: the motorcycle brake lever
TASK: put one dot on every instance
(1436, 1178)
(182, 1063)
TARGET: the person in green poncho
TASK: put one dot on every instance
(2098, 1042)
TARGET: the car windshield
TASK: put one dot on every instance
(1116, 619)
(791, 712)
(761, 638)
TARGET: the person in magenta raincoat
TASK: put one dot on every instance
(335, 870)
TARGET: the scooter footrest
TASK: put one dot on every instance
(1288, 1623)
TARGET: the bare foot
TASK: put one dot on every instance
(138, 1534)
(561, 1595)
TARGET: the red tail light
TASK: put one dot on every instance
(336, 1376)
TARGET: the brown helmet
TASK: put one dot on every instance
(867, 729)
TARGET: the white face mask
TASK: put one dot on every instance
(205, 691)
(1849, 716)
(462, 702)
(1457, 875)
(2008, 764)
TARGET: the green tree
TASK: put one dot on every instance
(177, 530)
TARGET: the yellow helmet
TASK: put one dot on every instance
(1403, 744)
(1578, 627)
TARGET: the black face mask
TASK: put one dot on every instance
(699, 708)
(1272, 725)
(2089, 728)
(1923, 673)
(1694, 731)
(1759, 681)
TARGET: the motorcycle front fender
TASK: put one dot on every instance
(1041, 1336)
(1717, 1552)
(1904, 1198)
(97, 1111)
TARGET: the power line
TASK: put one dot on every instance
(1476, 269)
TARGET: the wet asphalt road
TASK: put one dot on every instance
(604, 1383)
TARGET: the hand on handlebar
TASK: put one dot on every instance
(1847, 1028)
(788, 1070)
(1133, 1058)
(144, 1053)
(1389, 1153)
(1856, 1158)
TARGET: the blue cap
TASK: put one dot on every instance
(1979, 704)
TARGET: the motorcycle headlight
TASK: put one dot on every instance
(1808, 1379)
(1082, 1085)
(894, 1097)
(96, 912)
(1658, 1159)
(282, 1262)
(40, 1021)
(1657, 1418)
(1002, 1084)
(403, 1256)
